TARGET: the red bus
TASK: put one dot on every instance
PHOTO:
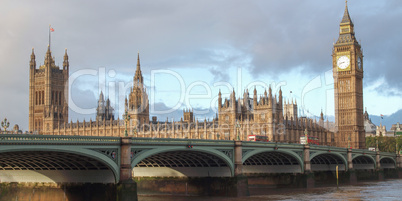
(311, 140)
(259, 138)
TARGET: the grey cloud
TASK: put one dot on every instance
(266, 37)
(218, 74)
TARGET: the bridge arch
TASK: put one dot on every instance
(362, 161)
(327, 161)
(175, 161)
(54, 174)
(272, 161)
(387, 162)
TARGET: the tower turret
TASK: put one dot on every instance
(32, 62)
(219, 100)
(48, 91)
(138, 104)
(65, 62)
(49, 62)
(255, 97)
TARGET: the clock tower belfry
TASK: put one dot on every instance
(347, 59)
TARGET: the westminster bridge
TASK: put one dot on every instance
(114, 160)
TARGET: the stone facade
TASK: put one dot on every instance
(267, 115)
(236, 119)
(347, 59)
(48, 94)
(104, 111)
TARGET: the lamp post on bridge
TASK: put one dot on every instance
(349, 142)
(376, 143)
(5, 124)
(306, 136)
(126, 120)
(237, 130)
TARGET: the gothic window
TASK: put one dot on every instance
(227, 118)
(262, 117)
(227, 135)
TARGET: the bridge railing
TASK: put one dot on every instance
(167, 141)
(291, 145)
(388, 154)
(363, 151)
(271, 144)
(40, 139)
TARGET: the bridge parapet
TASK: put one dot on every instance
(169, 141)
(327, 148)
(387, 154)
(56, 139)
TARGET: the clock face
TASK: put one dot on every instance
(359, 62)
(343, 62)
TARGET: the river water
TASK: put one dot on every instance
(384, 190)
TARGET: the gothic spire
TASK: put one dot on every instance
(32, 63)
(48, 57)
(346, 16)
(33, 54)
(138, 62)
(346, 31)
(65, 54)
(65, 62)
(101, 96)
(321, 115)
(138, 79)
(270, 92)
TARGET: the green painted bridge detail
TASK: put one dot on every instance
(121, 155)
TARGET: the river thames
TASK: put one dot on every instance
(384, 190)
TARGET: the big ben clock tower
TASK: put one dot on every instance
(347, 59)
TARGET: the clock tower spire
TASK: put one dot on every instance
(347, 59)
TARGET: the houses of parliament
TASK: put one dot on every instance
(268, 114)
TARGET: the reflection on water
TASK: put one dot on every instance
(385, 190)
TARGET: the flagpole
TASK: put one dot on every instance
(381, 119)
(49, 35)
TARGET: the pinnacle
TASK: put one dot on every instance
(346, 16)
(138, 61)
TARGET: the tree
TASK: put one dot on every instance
(370, 142)
(385, 144)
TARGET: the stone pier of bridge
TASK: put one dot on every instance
(126, 188)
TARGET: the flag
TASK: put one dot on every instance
(382, 116)
(51, 29)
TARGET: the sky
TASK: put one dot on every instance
(190, 50)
